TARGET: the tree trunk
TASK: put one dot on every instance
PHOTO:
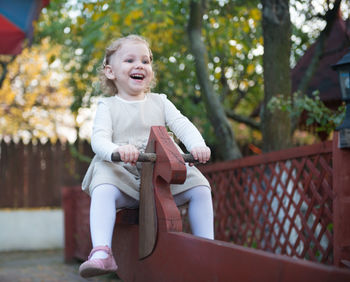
(276, 126)
(226, 144)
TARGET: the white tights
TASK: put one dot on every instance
(106, 199)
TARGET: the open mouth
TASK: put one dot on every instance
(137, 76)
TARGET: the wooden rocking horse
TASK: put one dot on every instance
(149, 244)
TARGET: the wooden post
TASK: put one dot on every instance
(341, 203)
(169, 168)
(69, 207)
(147, 209)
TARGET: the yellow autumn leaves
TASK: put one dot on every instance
(34, 94)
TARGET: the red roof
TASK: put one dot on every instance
(325, 78)
(46, 2)
(16, 19)
(11, 37)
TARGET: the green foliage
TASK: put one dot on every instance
(330, 227)
(318, 114)
(78, 155)
(232, 33)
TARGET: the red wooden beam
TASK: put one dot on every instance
(183, 257)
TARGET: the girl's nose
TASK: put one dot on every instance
(139, 65)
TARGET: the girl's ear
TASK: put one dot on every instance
(109, 72)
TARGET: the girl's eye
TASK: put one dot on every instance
(145, 61)
(129, 60)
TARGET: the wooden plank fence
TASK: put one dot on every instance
(33, 174)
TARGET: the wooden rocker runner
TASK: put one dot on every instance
(156, 249)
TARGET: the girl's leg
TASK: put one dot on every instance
(200, 210)
(105, 200)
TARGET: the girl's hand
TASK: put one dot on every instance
(128, 154)
(201, 154)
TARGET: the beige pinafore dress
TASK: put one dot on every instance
(131, 123)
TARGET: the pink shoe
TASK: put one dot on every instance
(96, 267)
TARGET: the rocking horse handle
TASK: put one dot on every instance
(151, 157)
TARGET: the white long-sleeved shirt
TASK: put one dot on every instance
(118, 122)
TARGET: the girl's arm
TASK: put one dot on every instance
(101, 138)
(185, 130)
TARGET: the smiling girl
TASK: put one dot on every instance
(122, 124)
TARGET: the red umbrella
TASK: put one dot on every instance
(16, 23)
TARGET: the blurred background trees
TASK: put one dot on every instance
(58, 72)
(34, 98)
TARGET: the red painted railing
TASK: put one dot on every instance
(279, 202)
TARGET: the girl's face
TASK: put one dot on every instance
(130, 68)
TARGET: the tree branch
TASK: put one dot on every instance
(250, 122)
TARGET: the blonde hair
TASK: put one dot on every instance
(107, 85)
